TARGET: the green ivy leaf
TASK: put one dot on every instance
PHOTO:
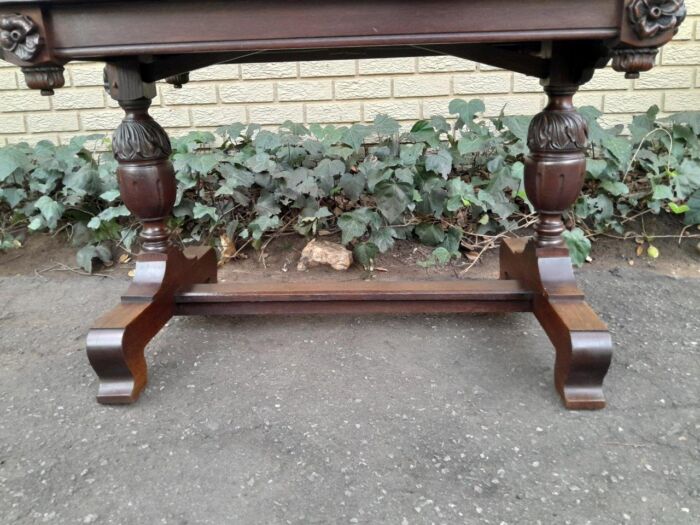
(13, 196)
(384, 125)
(423, 132)
(615, 188)
(579, 246)
(688, 178)
(678, 209)
(471, 144)
(393, 198)
(352, 226)
(261, 162)
(11, 160)
(50, 210)
(440, 256)
(619, 147)
(662, 192)
(383, 238)
(642, 125)
(107, 215)
(467, 111)
(430, 234)
(692, 216)
(266, 141)
(88, 254)
(596, 167)
(453, 240)
(410, 153)
(262, 224)
(440, 163)
(365, 253)
(232, 132)
(200, 211)
(355, 135)
(353, 184)
(110, 195)
(690, 118)
(518, 126)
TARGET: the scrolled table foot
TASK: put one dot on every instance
(583, 351)
(116, 344)
(581, 340)
(115, 348)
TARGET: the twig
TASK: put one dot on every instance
(235, 254)
(60, 267)
(12, 259)
(478, 257)
(272, 237)
(641, 213)
(636, 234)
(680, 237)
(639, 148)
(635, 445)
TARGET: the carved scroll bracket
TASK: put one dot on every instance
(45, 78)
(177, 81)
(633, 61)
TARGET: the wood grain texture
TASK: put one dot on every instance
(354, 298)
(116, 343)
(280, 24)
(358, 290)
(581, 340)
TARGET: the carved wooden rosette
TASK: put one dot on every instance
(652, 17)
(647, 25)
(19, 36)
(556, 166)
(22, 44)
(145, 173)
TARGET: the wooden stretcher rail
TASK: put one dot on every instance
(357, 297)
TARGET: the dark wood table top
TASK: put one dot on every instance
(514, 34)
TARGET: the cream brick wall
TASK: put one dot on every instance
(341, 92)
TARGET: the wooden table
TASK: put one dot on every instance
(561, 42)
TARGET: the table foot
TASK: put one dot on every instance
(581, 340)
(115, 348)
(116, 343)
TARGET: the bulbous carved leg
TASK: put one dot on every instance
(555, 169)
(116, 344)
(554, 175)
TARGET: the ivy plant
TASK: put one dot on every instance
(439, 182)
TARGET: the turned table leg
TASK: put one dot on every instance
(554, 174)
(115, 345)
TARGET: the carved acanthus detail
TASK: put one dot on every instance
(633, 61)
(554, 130)
(651, 17)
(139, 137)
(20, 36)
(46, 78)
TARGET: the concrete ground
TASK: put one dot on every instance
(400, 420)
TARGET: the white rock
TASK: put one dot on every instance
(324, 252)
